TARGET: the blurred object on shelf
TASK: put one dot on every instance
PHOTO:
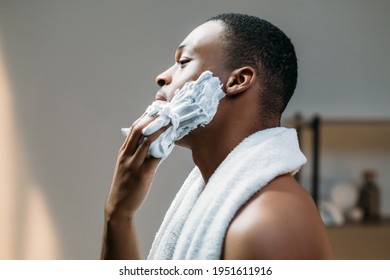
(341, 205)
(370, 197)
(345, 196)
(330, 214)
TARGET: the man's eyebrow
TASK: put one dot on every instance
(179, 48)
(187, 46)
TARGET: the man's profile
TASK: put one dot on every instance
(241, 200)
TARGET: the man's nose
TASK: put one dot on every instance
(164, 78)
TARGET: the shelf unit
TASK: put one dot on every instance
(351, 240)
(315, 125)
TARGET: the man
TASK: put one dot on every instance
(256, 64)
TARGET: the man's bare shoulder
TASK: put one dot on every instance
(280, 222)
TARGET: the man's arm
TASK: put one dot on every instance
(133, 176)
(119, 241)
(279, 222)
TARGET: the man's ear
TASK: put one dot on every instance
(240, 80)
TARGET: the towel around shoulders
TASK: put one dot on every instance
(195, 224)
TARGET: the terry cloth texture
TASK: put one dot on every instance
(195, 225)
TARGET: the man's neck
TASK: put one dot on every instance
(210, 145)
(208, 159)
(211, 151)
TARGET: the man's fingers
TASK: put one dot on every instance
(127, 131)
(141, 153)
(142, 157)
(151, 163)
(135, 136)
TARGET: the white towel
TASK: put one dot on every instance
(195, 225)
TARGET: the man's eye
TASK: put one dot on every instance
(183, 61)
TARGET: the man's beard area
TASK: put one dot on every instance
(194, 105)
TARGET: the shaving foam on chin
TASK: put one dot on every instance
(192, 106)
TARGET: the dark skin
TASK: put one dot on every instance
(279, 222)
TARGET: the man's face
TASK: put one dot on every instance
(202, 50)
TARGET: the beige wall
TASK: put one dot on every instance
(78, 71)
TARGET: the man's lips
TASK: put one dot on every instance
(161, 97)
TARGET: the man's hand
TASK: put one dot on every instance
(134, 172)
(133, 177)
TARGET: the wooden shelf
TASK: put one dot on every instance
(316, 124)
(353, 241)
(361, 241)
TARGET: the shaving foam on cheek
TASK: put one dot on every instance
(192, 106)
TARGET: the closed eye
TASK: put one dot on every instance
(183, 61)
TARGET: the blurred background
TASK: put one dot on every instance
(73, 73)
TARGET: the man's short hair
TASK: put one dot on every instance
(251, 41)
